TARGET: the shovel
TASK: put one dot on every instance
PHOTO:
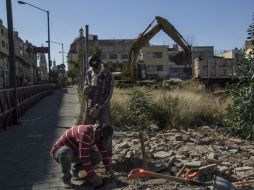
(219, 183)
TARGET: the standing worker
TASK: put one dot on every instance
(98, 90)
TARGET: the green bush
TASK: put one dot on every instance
(167, 112)
(241, 111)
(120, 115)
(140, 107)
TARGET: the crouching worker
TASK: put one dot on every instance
(76, 150)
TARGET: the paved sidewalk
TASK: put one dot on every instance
(25, 163)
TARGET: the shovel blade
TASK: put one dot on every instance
(137, 173)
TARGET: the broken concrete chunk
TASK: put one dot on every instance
(162, 154)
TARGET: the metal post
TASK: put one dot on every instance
(62, 53)
(49, 59)
(87, 48)
(12, 73)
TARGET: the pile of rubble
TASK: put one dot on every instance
(172, 152)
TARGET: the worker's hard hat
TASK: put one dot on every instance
(94, 61)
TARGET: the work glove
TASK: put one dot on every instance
(86, 90)
(96, 181)
(94, 112)
(109, 173)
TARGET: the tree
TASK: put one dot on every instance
(97, 51)
(241, 111)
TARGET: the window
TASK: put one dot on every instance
(154, 55)
(3, 44)
(159, 67)
(104, 56)
(150, 68)
(113, 56)
(124, 56)
(2, 32)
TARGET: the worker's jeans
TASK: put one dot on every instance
(70, 161)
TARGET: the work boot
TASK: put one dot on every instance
(67, 184)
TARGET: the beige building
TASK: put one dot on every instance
(114, 51)
(232, 54)
(25, 59)
(156, 61)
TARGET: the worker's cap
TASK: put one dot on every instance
(106, 130)
(94, 61)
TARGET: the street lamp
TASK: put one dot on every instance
(49, 60)
(60, 51)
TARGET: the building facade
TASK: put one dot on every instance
(25, 59)
(203, 52)
(232, 54)
(4, 56)
(156, 61)
(114, 52)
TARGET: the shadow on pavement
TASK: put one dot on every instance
(24, 156)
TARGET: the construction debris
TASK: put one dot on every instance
(171, 153)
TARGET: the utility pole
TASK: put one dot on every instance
(87, 49)
(12, 73)
(49, 59)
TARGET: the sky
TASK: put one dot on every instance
(218, 23)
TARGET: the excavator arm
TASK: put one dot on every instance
(145, 37)
(141, 41)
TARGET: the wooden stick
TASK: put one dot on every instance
(143, 151)
(244, 182)
(181, 171)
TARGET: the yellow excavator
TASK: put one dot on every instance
(134, 70)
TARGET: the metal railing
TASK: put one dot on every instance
(26, 98)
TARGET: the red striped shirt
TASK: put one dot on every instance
(80, 139)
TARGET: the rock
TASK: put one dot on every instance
(195, 164)
(162, 154)
(178, 137)
(205, 141)
(223, 169)
(154, 128)
(212, 161)
(211, 156)
(226, 164)
(233, 151)
(244, 168)
(195, 156)
(171, 160)
(135, 141)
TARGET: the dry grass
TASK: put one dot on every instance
(186, 107)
